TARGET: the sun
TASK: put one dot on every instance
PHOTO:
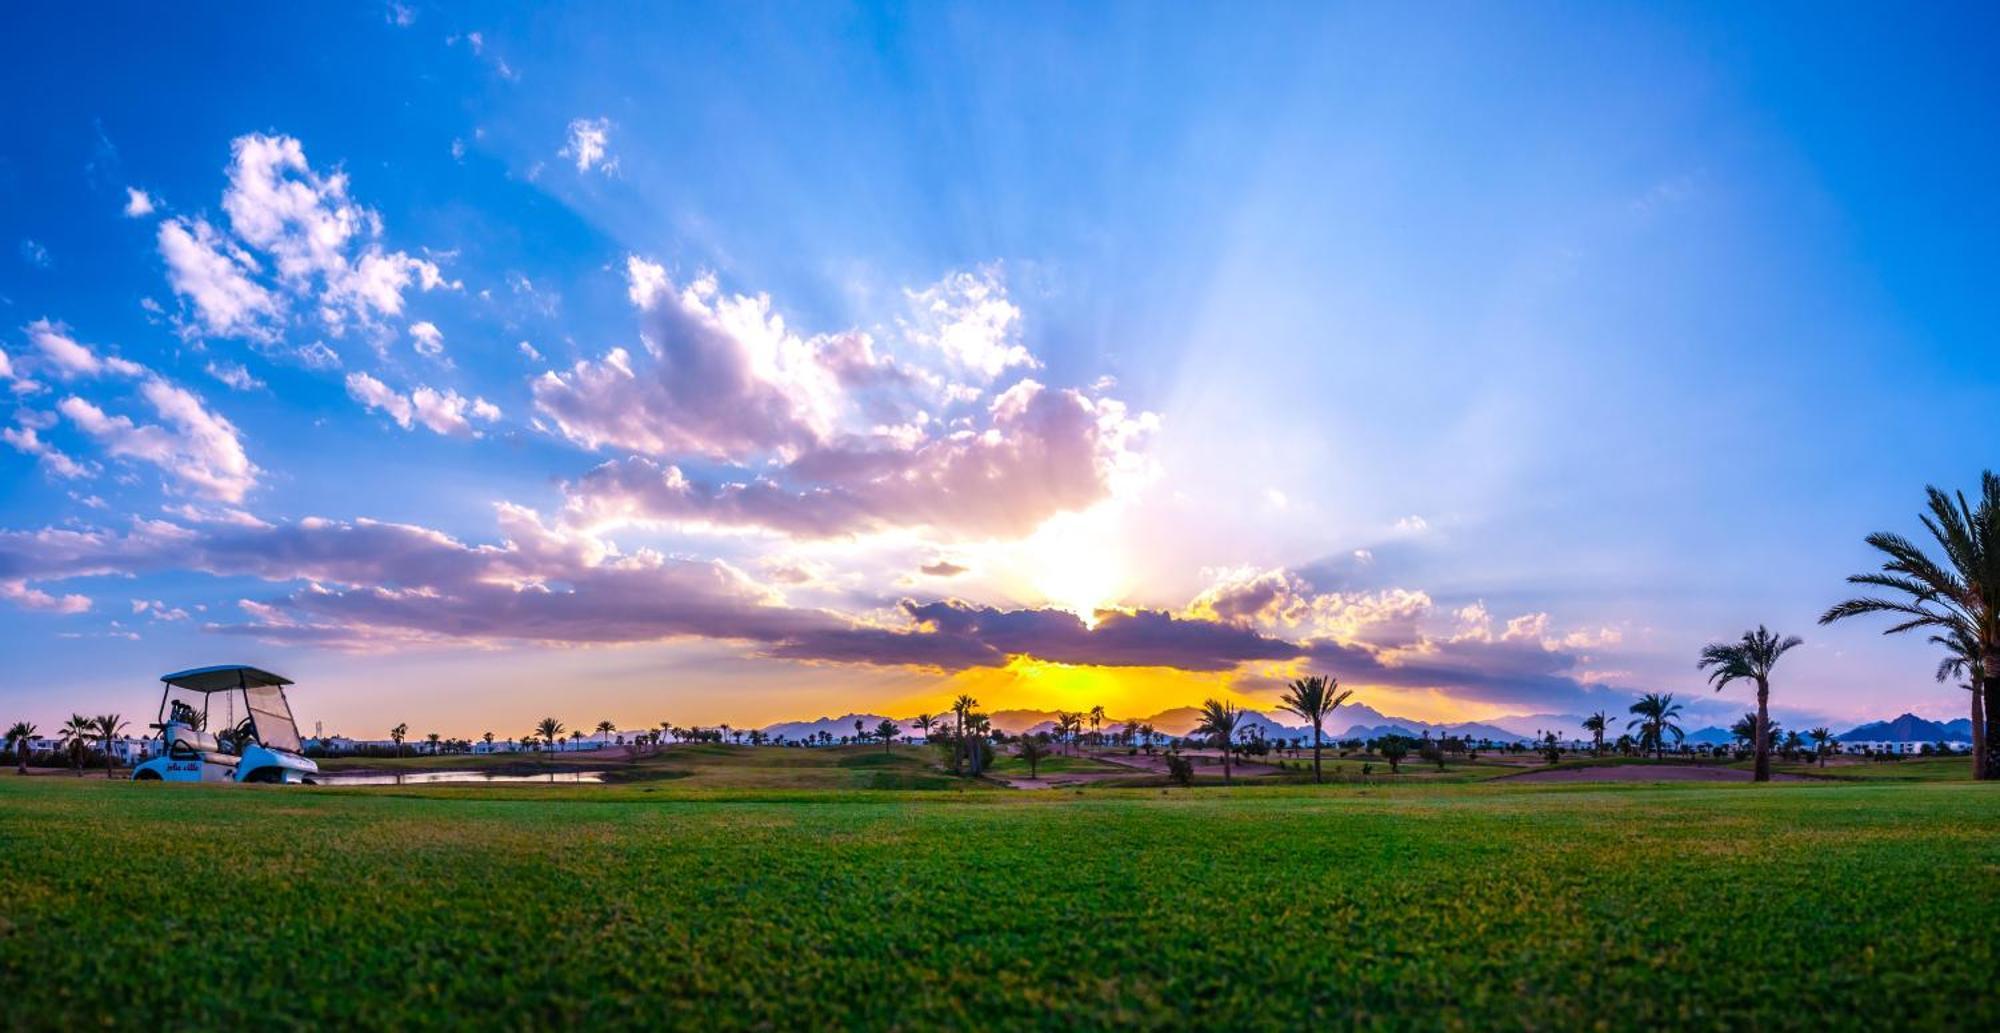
(1077, 562)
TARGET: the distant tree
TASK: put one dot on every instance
(1034, 749)
(1180, 770)
(1218, 721)
(1146, 737)
(1314, 698)
(1393, 749)
(1750, 658)
(17, 740)
(489, 739)
(604, 730)
(1552, 750)
(961, 709)
(108, 728)
(76, 734)
(549, 729)
(924, 723)
(1096, 720)
(397, 735)
(433, 739)
(887, 732)
(1656, 722)
(1595, 724)
(1957, 599)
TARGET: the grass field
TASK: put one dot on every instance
(1427, 906)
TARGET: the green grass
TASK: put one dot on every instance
(1014, 767)
(1804, 905)
(1918, 769)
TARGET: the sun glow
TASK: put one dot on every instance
(1077, 562)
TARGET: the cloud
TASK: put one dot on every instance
(443, 412)
(138, 203)
(319, 244)
(68, 359)
(968, 318)
(27, 440)
(35, 254)
(589, 145)
(374, 394)
(318, 356)
(1041, 452)
(942, 568)
(234, 374)
(216, 276)
(27, 598)
(427, 339)
(191, 445)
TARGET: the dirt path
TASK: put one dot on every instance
(1641, 773)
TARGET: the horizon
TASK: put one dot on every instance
(467, 365)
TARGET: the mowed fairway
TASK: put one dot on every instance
(1453, 906)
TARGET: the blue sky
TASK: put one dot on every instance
(747, 363)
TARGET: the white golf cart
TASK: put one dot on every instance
(263, 746)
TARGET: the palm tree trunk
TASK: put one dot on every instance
(1991, 749)
(1316, 775)
(1763, 766)
(1979, 764)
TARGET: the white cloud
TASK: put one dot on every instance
(216, 276)
(234, 374)
(589, 145)
(194, 445)
(28, 440)
(645, 281)
(21, 594)
(443, 412)
(374, 394)
(318, 356)
(968, 318)
(427, 339)
(528, 350)
(138, 203)
(70, 359)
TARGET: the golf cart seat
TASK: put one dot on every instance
(194, 741)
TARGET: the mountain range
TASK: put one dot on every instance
(1361, 721)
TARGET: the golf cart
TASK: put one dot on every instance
(261, 747)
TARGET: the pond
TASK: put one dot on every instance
(411, 778)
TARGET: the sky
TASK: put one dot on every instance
(742, 363)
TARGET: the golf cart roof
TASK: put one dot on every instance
(223, 677)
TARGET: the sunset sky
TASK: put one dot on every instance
(738, 363)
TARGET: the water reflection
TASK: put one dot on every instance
(411, 778)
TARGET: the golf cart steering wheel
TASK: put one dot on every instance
(240, 736)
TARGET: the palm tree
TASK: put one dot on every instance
(1146, 736)
(887, 732)
(489, 741)
(108, 727)
(1097, 719)
(1034, 751)
(1751, 658)
(434, 739)
(960, 708)
(76, 734)
(549, 729)
(1595, 725)
(924, 723)
(1314, 699)
(1655, 722)
(398, 734)
(1958, 599)
(17, 740)
(1820, 737)
(604, 730)
(1218, 721)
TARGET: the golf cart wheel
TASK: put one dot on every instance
(146, 776)
(266, 776)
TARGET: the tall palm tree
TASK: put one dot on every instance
(76, 734)
(1595, 725)
(434, 739)
(1314, 698)
(1750, 658)
(887, 732)
(108, 728)
(549, 729)
(1034, 752)
(398, 734)
(1957, 598)
(1096, 720)
(960, 708)
(489, 741)
(1820, 737)
(604, 730)
(1655, 722)
(1218, 721)
(924, 723)
(17, 740)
